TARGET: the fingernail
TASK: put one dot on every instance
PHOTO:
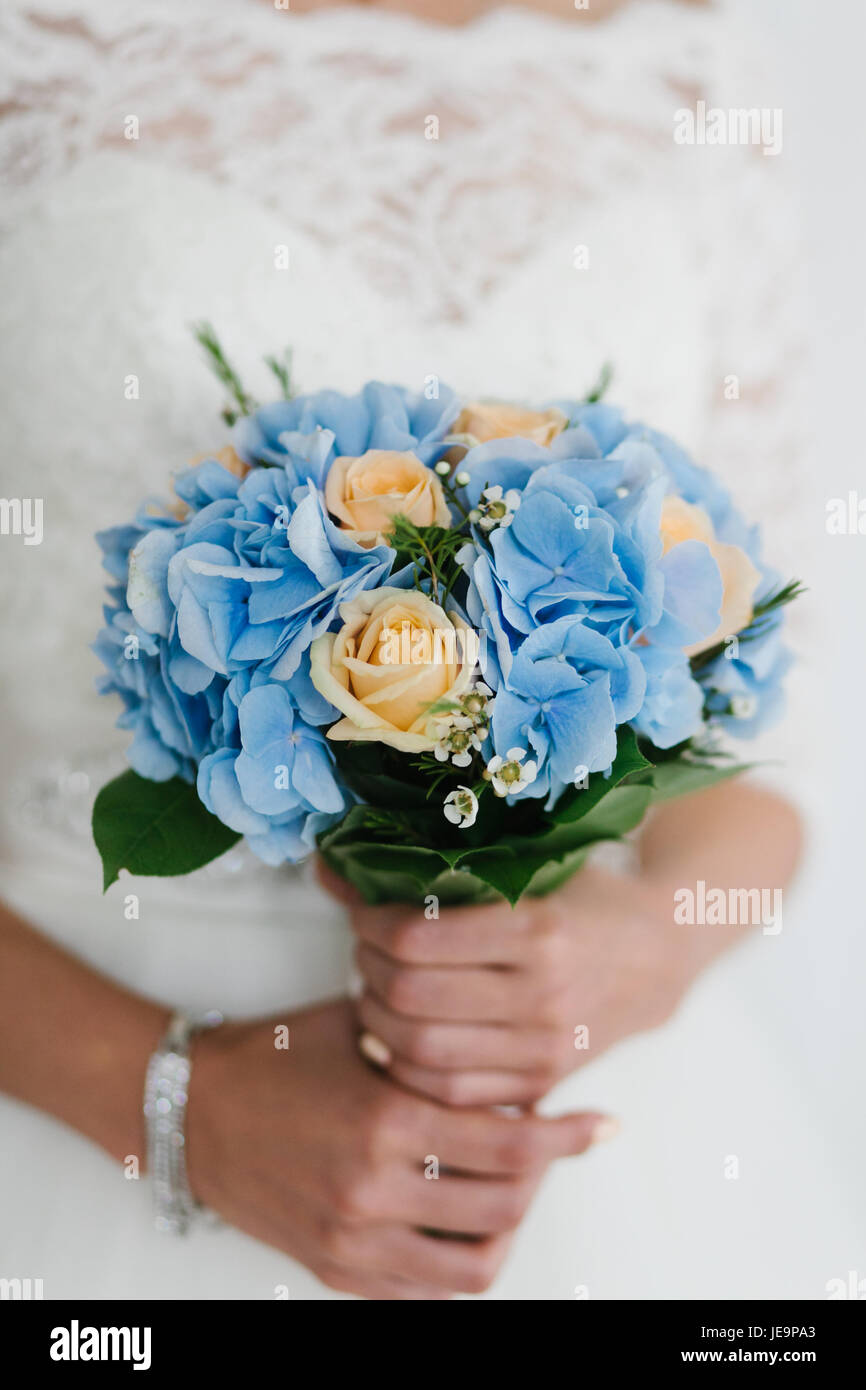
(605, 1129)
(375, 1050)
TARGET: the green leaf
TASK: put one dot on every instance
(757, 625)
(612, 816)
(507, 870)
(392, 855)
(282, 369)
(552, 875)
(393, 852)
(628, 761)
(383, 873)
(517, 864)
(684, 776)
(205, 335)
(431, 550)
(373, 778)
(605, 377)
(621, 810)
(156, 828)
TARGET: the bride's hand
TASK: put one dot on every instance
(305, 1148)
(311, 1151)
(493, 1005)
(489, 1005)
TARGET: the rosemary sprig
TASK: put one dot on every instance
(777, 598)
(605, 377)
(432, 551)
(435, 773)
(282, 370)
(763, 610)
(206, 337)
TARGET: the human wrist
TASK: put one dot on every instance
(693, 943)
(214, 1056)
(100, 1089)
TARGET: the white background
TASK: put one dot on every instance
(818, 82)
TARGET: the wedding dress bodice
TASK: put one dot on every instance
(501, 205)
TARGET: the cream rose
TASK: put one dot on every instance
(498, 420)
(681, 521)
(396, 654)
(365, 493)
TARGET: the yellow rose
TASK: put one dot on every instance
(497, 420)
(681, 521)
(365, 493)
(396, 654)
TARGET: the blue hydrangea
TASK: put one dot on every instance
(567, 690)
(213, 606)
(743, 687)
(210, 609)
(306, 434)
(567, 551)
(279, 787)
(171, 730)
(584, 542)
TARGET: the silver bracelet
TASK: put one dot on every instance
(166, 1089)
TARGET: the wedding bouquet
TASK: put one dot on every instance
(451, 645)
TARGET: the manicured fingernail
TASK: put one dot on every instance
(375, 1050)
(608, 1128)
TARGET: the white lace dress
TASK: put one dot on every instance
(551, 224)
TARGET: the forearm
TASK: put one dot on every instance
(734, 836)
(73, 1043)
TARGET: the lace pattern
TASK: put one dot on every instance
(407, 255)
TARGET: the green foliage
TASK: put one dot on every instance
(777, 598)
(282, 370)
(396, 845)
(681, 777)
(241, 402)
(205, 335)
(157, 828)
(757, 627)
(605, 377)
(432, 551)
(404, 850)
